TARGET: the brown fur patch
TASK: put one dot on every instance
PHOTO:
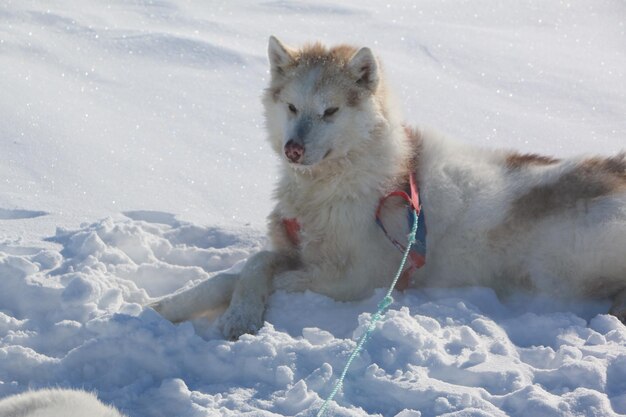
(353, 98)
(312, 55)
(275, 92)
(614, 166)
(316, 53)
(603, 287)
(413, 134)
(414, 137)
(516, 160)
(591, 179)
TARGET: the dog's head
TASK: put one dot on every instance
(320, 101)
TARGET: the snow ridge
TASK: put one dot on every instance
(73, 317)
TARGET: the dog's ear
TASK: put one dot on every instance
(280, 56)
(364, 67)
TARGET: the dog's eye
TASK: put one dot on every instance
(330, 111)
(292, 108)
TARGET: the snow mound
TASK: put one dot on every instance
(155, 105)
(72, 316)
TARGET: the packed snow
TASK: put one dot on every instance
(133, 164)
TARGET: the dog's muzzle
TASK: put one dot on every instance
(294, 151)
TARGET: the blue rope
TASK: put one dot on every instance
(382, 306)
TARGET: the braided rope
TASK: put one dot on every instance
(382, 307)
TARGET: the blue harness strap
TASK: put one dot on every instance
(420, 234)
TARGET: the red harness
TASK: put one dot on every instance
(416, 258)
(417, 255)
(292, 227)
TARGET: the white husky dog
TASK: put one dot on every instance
(55, 403)
(493, 218)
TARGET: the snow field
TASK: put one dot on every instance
(144, 113)
(73, 317)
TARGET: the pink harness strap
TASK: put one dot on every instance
(292, 228)
(416, 259)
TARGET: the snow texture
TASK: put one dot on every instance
(128, 126)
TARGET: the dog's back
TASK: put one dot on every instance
(510, 220)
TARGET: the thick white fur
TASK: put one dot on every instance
(55, 403)
(467, 195)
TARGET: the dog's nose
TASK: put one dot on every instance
(294, 151)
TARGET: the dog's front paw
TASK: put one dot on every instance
(167, 309)
(240, 319)
(292, 281)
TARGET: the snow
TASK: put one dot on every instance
(133, 163)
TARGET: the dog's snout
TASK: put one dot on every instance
(294, 151)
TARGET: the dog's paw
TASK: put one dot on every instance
(292, 281)
(239, 320)
(167, 309)
(157, 306)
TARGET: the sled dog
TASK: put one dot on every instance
(495, 218)
(55, 403)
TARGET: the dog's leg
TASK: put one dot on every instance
(210, 294)
(245, 313)
(618, 309)
(293, 281)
